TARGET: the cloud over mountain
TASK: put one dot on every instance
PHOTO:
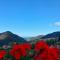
(57, 23)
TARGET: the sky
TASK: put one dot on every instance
(30, 17)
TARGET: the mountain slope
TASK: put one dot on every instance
(52, 35)
(8, 37)
(34, 38)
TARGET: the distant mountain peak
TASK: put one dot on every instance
(7, 32)
(52, 35)
(7, 37)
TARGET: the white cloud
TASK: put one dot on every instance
(57, 23)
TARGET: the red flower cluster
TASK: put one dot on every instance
(42, 51)
(19, 50)
(2, 54)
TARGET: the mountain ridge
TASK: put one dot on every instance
(50, 36)
(9, 37)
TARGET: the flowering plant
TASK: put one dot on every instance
(40, 51)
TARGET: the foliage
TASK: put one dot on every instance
(39, 51)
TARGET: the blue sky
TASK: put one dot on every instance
(30, 17)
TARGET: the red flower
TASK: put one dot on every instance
(44, 52)
(41, 45)
(19, 50)
(53, 52)
(2, 54)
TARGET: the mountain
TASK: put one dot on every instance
(52, 35)
(9, 37)
(34, 39)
